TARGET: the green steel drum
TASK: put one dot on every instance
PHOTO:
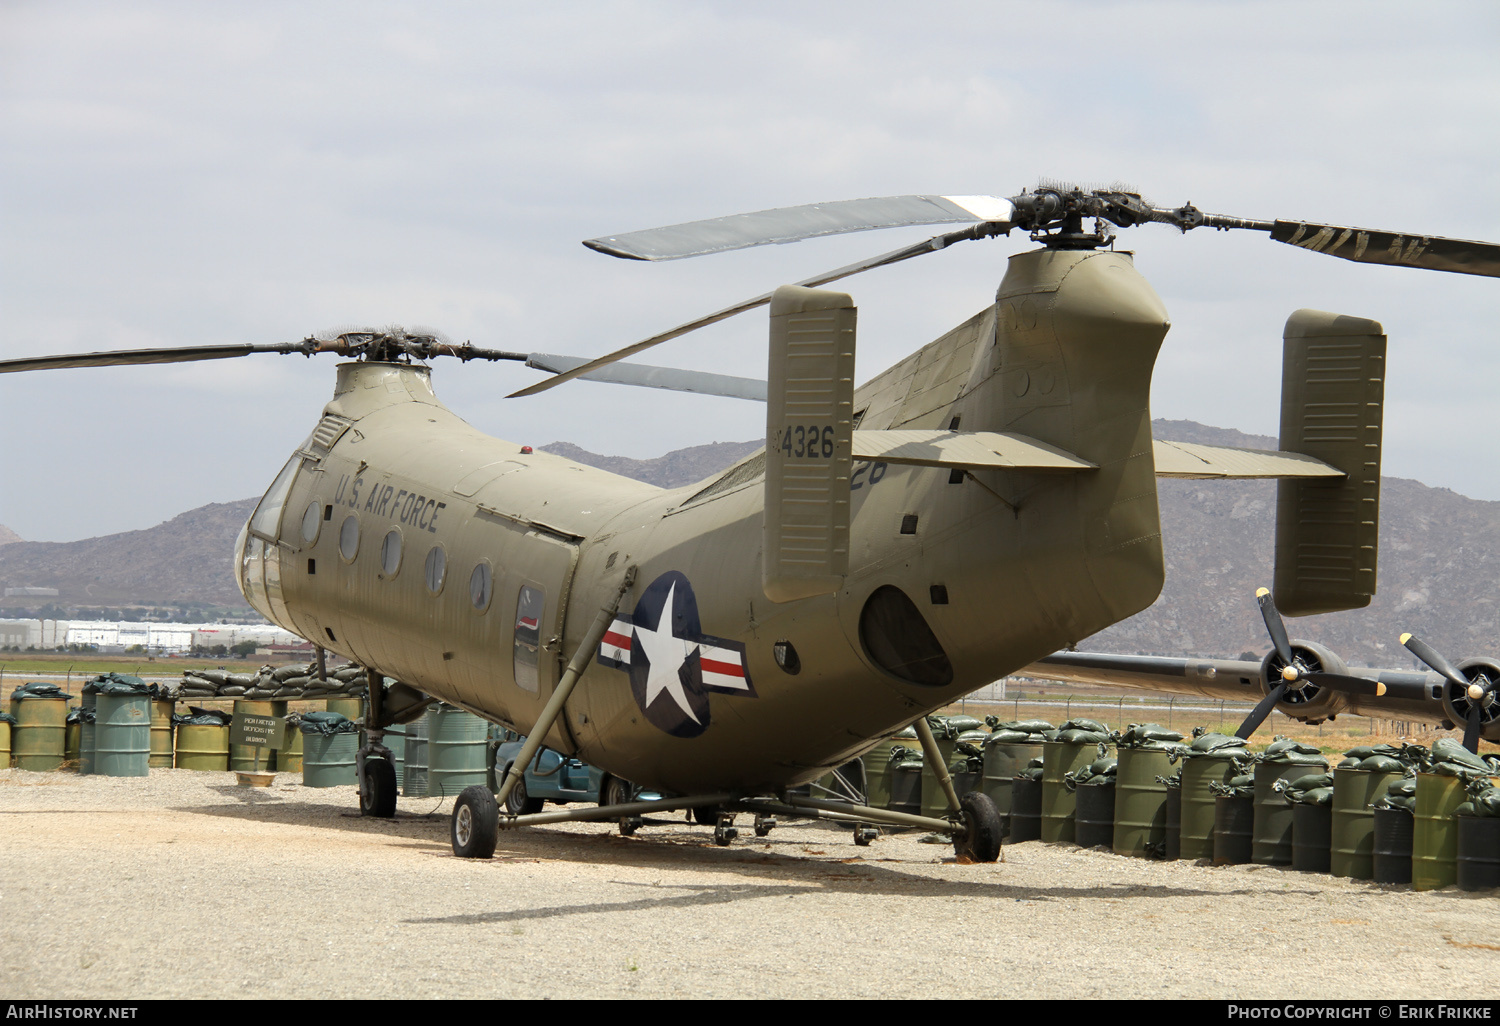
(328, 759)
(1234, 830)
(73, 743)
(456, 750)
(1174, 824)
(86, 745)
(906, 790)
(878, 769)
(161, 732)
(1352, 852)
(203, 746)
(40, 735)
(1059, 805)
(242, 758)
(1312, 833)
(1478, 863)
(4, 744)
(122, 736)
(1391, 861)
(1195, 835)
(1434, 839)
(1094, 824)
(1271, 844)
(1025, 820)
(289, 756)
(354, 708)
(1140, 801)
(414, 780)
(1002, 761)
(934, 801)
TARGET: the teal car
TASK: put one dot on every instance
(556, 778)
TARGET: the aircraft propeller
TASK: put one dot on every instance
(1297, 670)
(1476, 693)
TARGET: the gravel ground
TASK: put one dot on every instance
(184, 885)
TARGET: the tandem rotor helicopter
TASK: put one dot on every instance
(989, 500)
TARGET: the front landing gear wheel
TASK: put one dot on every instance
(377, 792)
(864, 834)
(476, 823)
(618, 792)
(980, 840)
(764, 824)
(724, 830)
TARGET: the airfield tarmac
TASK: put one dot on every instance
(184, 885)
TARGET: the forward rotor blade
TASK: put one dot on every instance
(1365, 246)
(1274, 626)
(1261, 711)
(127, 357)
(1435, 659)
(646, 376)
(931, 245)
(793, 224)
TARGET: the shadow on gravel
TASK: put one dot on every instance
(697, 896)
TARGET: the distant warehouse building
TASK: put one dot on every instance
(156, 638)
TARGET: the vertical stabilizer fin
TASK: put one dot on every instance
(809, 443)
(1332, 390)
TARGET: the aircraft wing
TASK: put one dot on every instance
(1409, 694)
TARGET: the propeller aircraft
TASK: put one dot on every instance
(987, 501)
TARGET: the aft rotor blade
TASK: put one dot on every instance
(793, 224)
(1363, 245)
(931, 245)
(128, 357)
(1261, 711)
(1435, 659)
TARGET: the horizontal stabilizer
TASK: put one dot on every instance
(965, 450)
(1187, 460)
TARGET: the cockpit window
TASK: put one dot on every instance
(267, 518)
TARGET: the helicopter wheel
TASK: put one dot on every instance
(724, 830)
(983, 828)
(764, 824)
(377, 795)
(476, 823)
(618, 792)
(864, 834)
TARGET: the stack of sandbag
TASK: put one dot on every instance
(1097, 773)
(1018, 732)
(1376, 758)
(1148, 736)
(120, 684)
(1451, 759)
(1309, 789)
(1239, 786)
(1033, 770)
(1083, 732)
(1286, 750)
(1401, 795)
(347, 681)
(201, 717)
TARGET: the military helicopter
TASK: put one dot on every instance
(987, 501)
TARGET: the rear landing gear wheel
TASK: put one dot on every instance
(377, 792)
(724, 830)
(864, 834)
(476, 823)
(618, 792)
(983, 828)
(764, 824)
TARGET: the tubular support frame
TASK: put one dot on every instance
(602, 812)
(582, 656)
(864, 814)
(934, 756)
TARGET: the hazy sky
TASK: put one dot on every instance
(176, 174)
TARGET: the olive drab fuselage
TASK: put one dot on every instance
(1003, 567)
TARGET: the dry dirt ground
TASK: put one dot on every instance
(185, 885)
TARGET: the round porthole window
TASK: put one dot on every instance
(390, 552)
(481, 586)
(437, 569)
(312, 520)
(349, 538)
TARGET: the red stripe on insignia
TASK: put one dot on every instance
(727, 669)
(617, 640)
